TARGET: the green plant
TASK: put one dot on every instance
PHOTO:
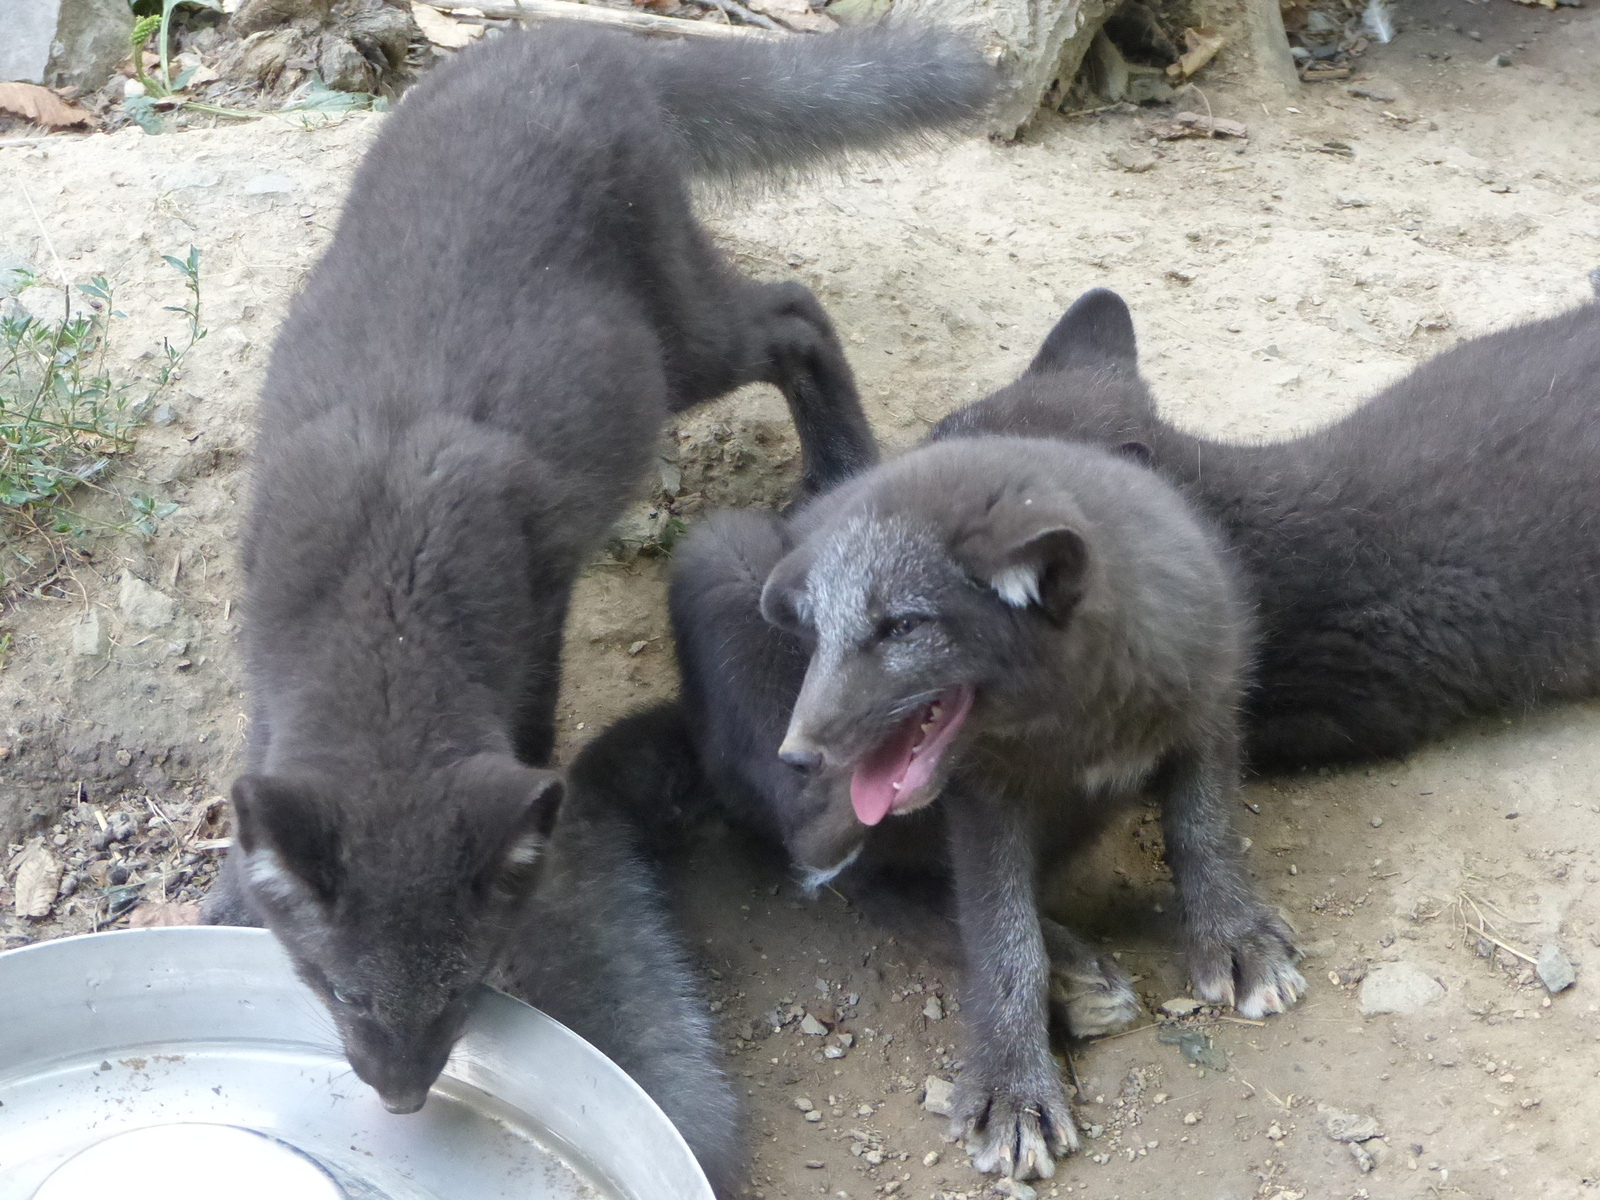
(64, 416)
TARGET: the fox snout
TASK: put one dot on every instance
(801, 753)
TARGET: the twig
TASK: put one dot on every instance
(1211, 120)
(1243, 1021)
(1089, 112)
(593, 14)
(734, 9)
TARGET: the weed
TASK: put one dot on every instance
(64, 416)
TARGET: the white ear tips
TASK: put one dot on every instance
(524, 852)
(1017, 585)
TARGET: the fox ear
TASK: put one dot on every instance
(1097, 329)
(513, 869)
(784, 601)
(1047, 570)
(288, 837)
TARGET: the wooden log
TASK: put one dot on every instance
(594, 14)
(1032, 43)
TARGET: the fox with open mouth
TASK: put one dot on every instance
(1034, 634)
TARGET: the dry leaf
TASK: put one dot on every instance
(442, 30)
(1201, 46)
(162, 915)
(796, 14)
(38, 879)
(40, 105)
(1188, 124)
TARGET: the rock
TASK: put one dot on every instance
(1180, 1006)
(938, 1096)
(1364, 1160)
(143, 605)
(37, 881)
(931, 1159)
(269, 185)
(1398, 988)
(933, 1009)
(803, 1103)
(859, 12)
(813, 1027)
(1555, 969)
(89, 636)
(190, 176)
(343, 67)
(1132, 160)
(164, 414)
(1014, 1188)
(256, 15)
(1344, 1126)
(62, 43)
(1350, 200)
(1500, 60)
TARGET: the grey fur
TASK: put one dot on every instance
(1429, 557)
(599, 952)
(1119, 674)
(460, 402)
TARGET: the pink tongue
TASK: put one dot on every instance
(872, 789)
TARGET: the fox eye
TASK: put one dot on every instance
(351, 999)
(899, 627)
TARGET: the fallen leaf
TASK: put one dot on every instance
(1201, 46)
(162, 915)
(37, 881)
(796, 14)
(442, 30)
(40, 105)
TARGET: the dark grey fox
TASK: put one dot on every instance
(597, 949)
(1035, 633)
(1429, 557)
(460, 402)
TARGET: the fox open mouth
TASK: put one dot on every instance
(889, 777)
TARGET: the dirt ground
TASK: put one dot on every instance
(1274, 284)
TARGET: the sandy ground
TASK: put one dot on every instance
(1273, 285)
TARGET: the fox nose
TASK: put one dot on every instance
(801, 755)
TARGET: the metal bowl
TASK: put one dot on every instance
(189, 1062)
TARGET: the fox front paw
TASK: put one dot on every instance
(1014, 1131)
(1094, 997)
(1250, 966)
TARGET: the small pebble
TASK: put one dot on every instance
(1377, 822)
(931, 1159)
(804, 1104)
(813, 1116)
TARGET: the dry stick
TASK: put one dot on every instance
(565, 10)
(735, 9)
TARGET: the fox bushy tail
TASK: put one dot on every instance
(775, 106)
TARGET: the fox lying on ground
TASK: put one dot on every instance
(460, 402)
(1429, 557)
(1034, 634)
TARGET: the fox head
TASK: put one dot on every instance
(1082, 385)
(935, 600)
(395, 906)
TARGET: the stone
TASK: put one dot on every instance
(1180, 1006)
(143, 605)
(269, 185)
(938, 1096)
(931, 1159)
(803, 1103)
(1344, 1126)
(163, 414)
(1398, 988)
(62, 43)
(933, 1009)
(1014, 1188)
(190, 176)
(89, 636)
(811, 1026)
(1555, 969)
(343, 67)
